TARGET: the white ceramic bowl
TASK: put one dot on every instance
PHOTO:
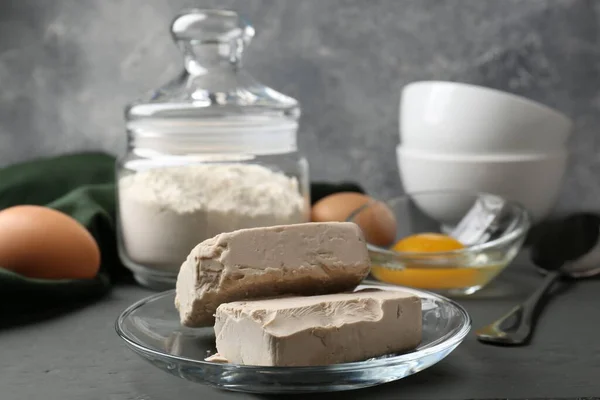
(533, 180)
(462, 118)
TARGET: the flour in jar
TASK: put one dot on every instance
(165, 212)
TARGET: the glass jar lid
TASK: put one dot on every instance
(214, 103)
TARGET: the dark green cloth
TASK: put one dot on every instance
(81, 186)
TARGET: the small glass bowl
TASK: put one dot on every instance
(452, 273)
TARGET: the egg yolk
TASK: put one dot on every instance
(428, 242)
(425, 276)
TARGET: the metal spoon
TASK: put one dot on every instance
(570, 249)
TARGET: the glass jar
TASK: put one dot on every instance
(212, 151)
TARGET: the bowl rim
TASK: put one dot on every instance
(508, 157)
(517, 233)
(495, 93)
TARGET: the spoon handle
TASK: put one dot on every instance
(516, 327)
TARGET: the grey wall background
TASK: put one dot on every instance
(67, 68)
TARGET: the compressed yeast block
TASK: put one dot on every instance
(301, 259)
(318, 330)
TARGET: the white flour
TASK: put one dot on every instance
(165, 212)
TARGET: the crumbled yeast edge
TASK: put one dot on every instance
(217, 358)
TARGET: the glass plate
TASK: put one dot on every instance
(151, 328)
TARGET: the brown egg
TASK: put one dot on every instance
(376, 220)
(39, 242)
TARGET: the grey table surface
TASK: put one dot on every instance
(79, 356)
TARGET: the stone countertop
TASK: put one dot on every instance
(79, 356)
